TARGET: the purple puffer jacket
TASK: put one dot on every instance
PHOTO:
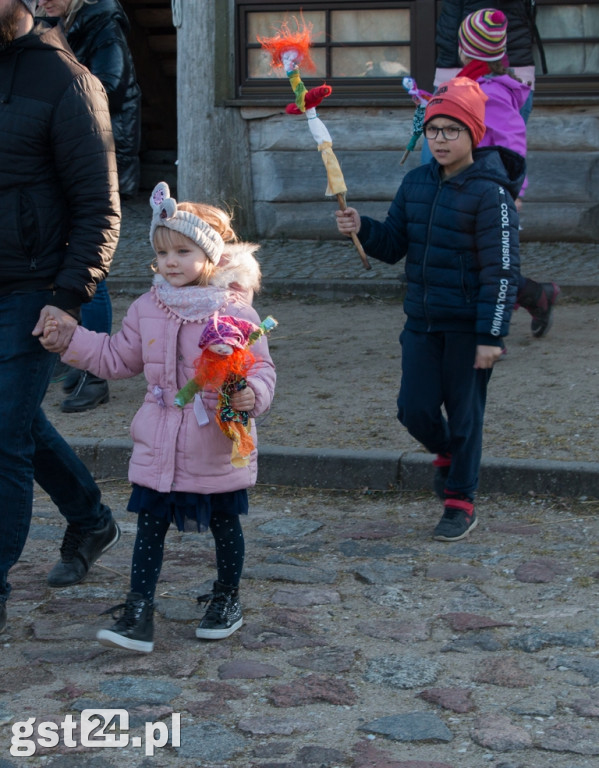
(170, 450)
(505, 126)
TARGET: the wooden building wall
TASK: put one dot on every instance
(288, 178)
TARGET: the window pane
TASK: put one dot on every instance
(568, 21)
(572, 59)
(370, 26)
(371, 62)
(268, 23)
(259, 65)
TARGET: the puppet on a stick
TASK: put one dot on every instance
(421, 99)
(291, 49)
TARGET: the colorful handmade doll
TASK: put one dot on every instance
(223, 366)
(290, 49)
(421, 99)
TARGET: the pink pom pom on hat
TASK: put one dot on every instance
(483, 35)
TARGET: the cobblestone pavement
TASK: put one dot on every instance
(365, 643)
(574, 263)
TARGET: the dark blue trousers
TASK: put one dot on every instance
(30, 447)
(438, 372)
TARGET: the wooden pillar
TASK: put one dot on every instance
(213, 151)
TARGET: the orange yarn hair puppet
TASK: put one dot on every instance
(223, 366)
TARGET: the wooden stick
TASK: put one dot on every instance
(354, 237)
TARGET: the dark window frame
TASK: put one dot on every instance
(345, 90)
(565, 86)
(550, 88)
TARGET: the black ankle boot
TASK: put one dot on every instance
(71, 380)
(134, 627)
(89, 393)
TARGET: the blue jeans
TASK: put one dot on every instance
(96, 315)
(30, 447)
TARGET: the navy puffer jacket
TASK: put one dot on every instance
(460, 240)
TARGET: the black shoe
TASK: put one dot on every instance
(2, 615)
(88, 394)
(442, 466)
(134, 628)
(459, 518)
(79, 551)
(71, 380)
(223, 616)
(542, 314)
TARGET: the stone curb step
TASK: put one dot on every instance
(340, 289)
(371, 470)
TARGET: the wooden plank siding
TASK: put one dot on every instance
(288, 178)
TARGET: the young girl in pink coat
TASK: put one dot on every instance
(181, 467)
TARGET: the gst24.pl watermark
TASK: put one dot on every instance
(96, 728)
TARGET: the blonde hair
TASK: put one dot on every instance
(74, 8)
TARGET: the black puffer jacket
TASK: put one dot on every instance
(60, 212)
(460, 240)
(98, 37)
(521, 30)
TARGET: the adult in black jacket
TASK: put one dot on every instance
(97, 32)
(60, 219)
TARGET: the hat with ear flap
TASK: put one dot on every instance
(30, 5)
(167, 214)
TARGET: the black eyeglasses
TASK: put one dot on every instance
(449, 133)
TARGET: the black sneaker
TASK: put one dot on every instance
(79, 551)
(2, 615)
(542, 313)
(134, 628)
(442, 465)
(459, 518)
(223, 616)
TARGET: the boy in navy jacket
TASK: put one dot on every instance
(456, 223)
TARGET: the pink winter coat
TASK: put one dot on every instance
(505, 126)
(171, 451)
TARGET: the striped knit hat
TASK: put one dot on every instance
(483, 35)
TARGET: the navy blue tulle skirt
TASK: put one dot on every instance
(188, 511)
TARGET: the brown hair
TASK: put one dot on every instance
(497, 68)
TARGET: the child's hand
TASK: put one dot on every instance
(243, 400)
(487, 355)
(348, 221)
(49, 337)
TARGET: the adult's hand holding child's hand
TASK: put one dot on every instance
(55, 329)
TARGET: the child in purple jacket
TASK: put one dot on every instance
(482, 45)
(181, 467)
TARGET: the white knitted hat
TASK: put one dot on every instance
(166, 214)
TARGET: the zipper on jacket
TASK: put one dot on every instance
(425, 257)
